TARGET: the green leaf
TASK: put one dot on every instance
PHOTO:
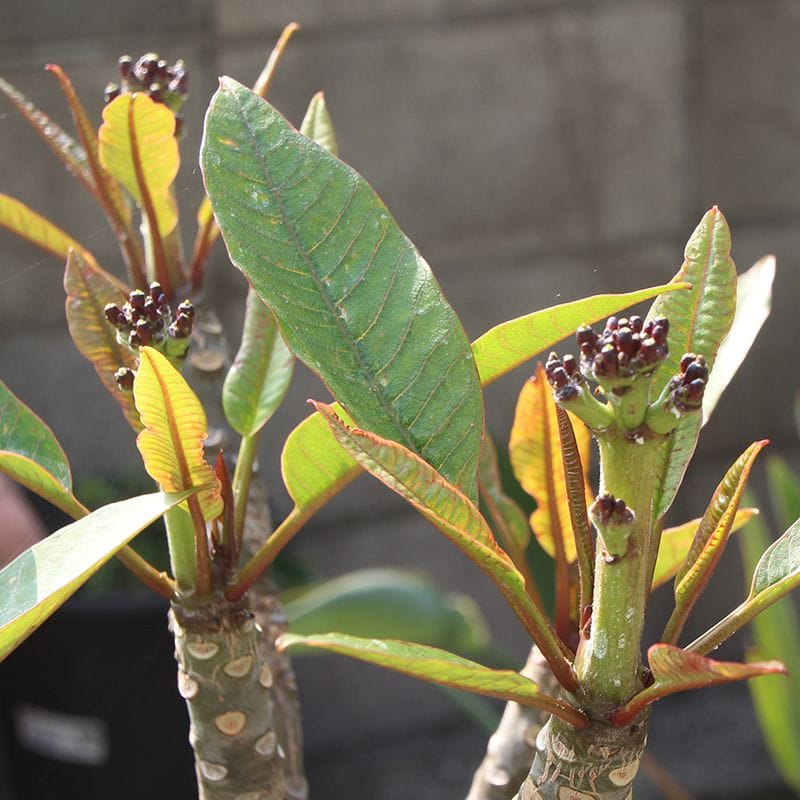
(775, 575)
(137, 146)
(353, 297)
(753, 304)
(710, 541)
(784, 491)
(30, 454)
(457, 517)
(699, 320)
(441, 667)
(317, 124)
(391, 603)
(89, 288)
(512, 343)
(777, 702)
(65, 148)
(42, 578)
(259, 377)
(174, 429)
(675, 670)
(675, 543)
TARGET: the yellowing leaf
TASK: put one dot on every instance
(175, 428)
(89, 288)
(38, 230)
(535, 451)
(138, 147)
(675, 544)
(676, 670)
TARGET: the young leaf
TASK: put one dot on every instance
(699, 320)
(535, 450)
(675, 543)
(456, 516)
(777, 703)
(710, 540)
(175, 428)
(320, 248)
(42, 578)
(391, 603)
(135, 123)
(777, 573)
(753, 304)
(260, 375)
(443, 668)
(516, 341)
(675, 670)
(317, 124)
(38, 230)
(30, 454)
(64, 147)
(89, 288)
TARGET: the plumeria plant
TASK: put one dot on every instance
(336, 283)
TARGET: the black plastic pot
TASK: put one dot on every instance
(90, 707)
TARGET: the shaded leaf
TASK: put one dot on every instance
(42, 578)
(133, 123)
(441, 667)
(784, 491)
(391, 603)
(89, 288)
(675, 670)
(259, 377)
(753, 304)
(38, 230)
(457, 517)
(317, 124)
(65, 148)
(776, 574)
(535, 451)
(175, 428)
(699, 320)
(354, 299)
(675, 543)
(30, 454)
(512, 343)
(710, 540)
(777, 702)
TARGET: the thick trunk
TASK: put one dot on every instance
(512, 746)
(227, 684)
(598, 763)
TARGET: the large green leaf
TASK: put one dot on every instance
(699, 320)
(39, 580)
(776, 574)
(260, 375)
(753, 304)
(675, 670)
(516, 341)
(30, 454)
(394, 603)
(89, 288)
(710, 541)
(441, 667)
(459, 519)
(775, 634)
(353, 297)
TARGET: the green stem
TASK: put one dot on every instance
(608, 663)
(202, 555)
(182, 555)
(242, 476)
(153, 579)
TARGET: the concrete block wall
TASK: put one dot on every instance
(536, 151)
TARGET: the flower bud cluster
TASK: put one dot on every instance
(689, 386)
(615, 523)
(146, 319)
(153, 76)
(624, 350)
(609, 510)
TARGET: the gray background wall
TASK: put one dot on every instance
(536, 151)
